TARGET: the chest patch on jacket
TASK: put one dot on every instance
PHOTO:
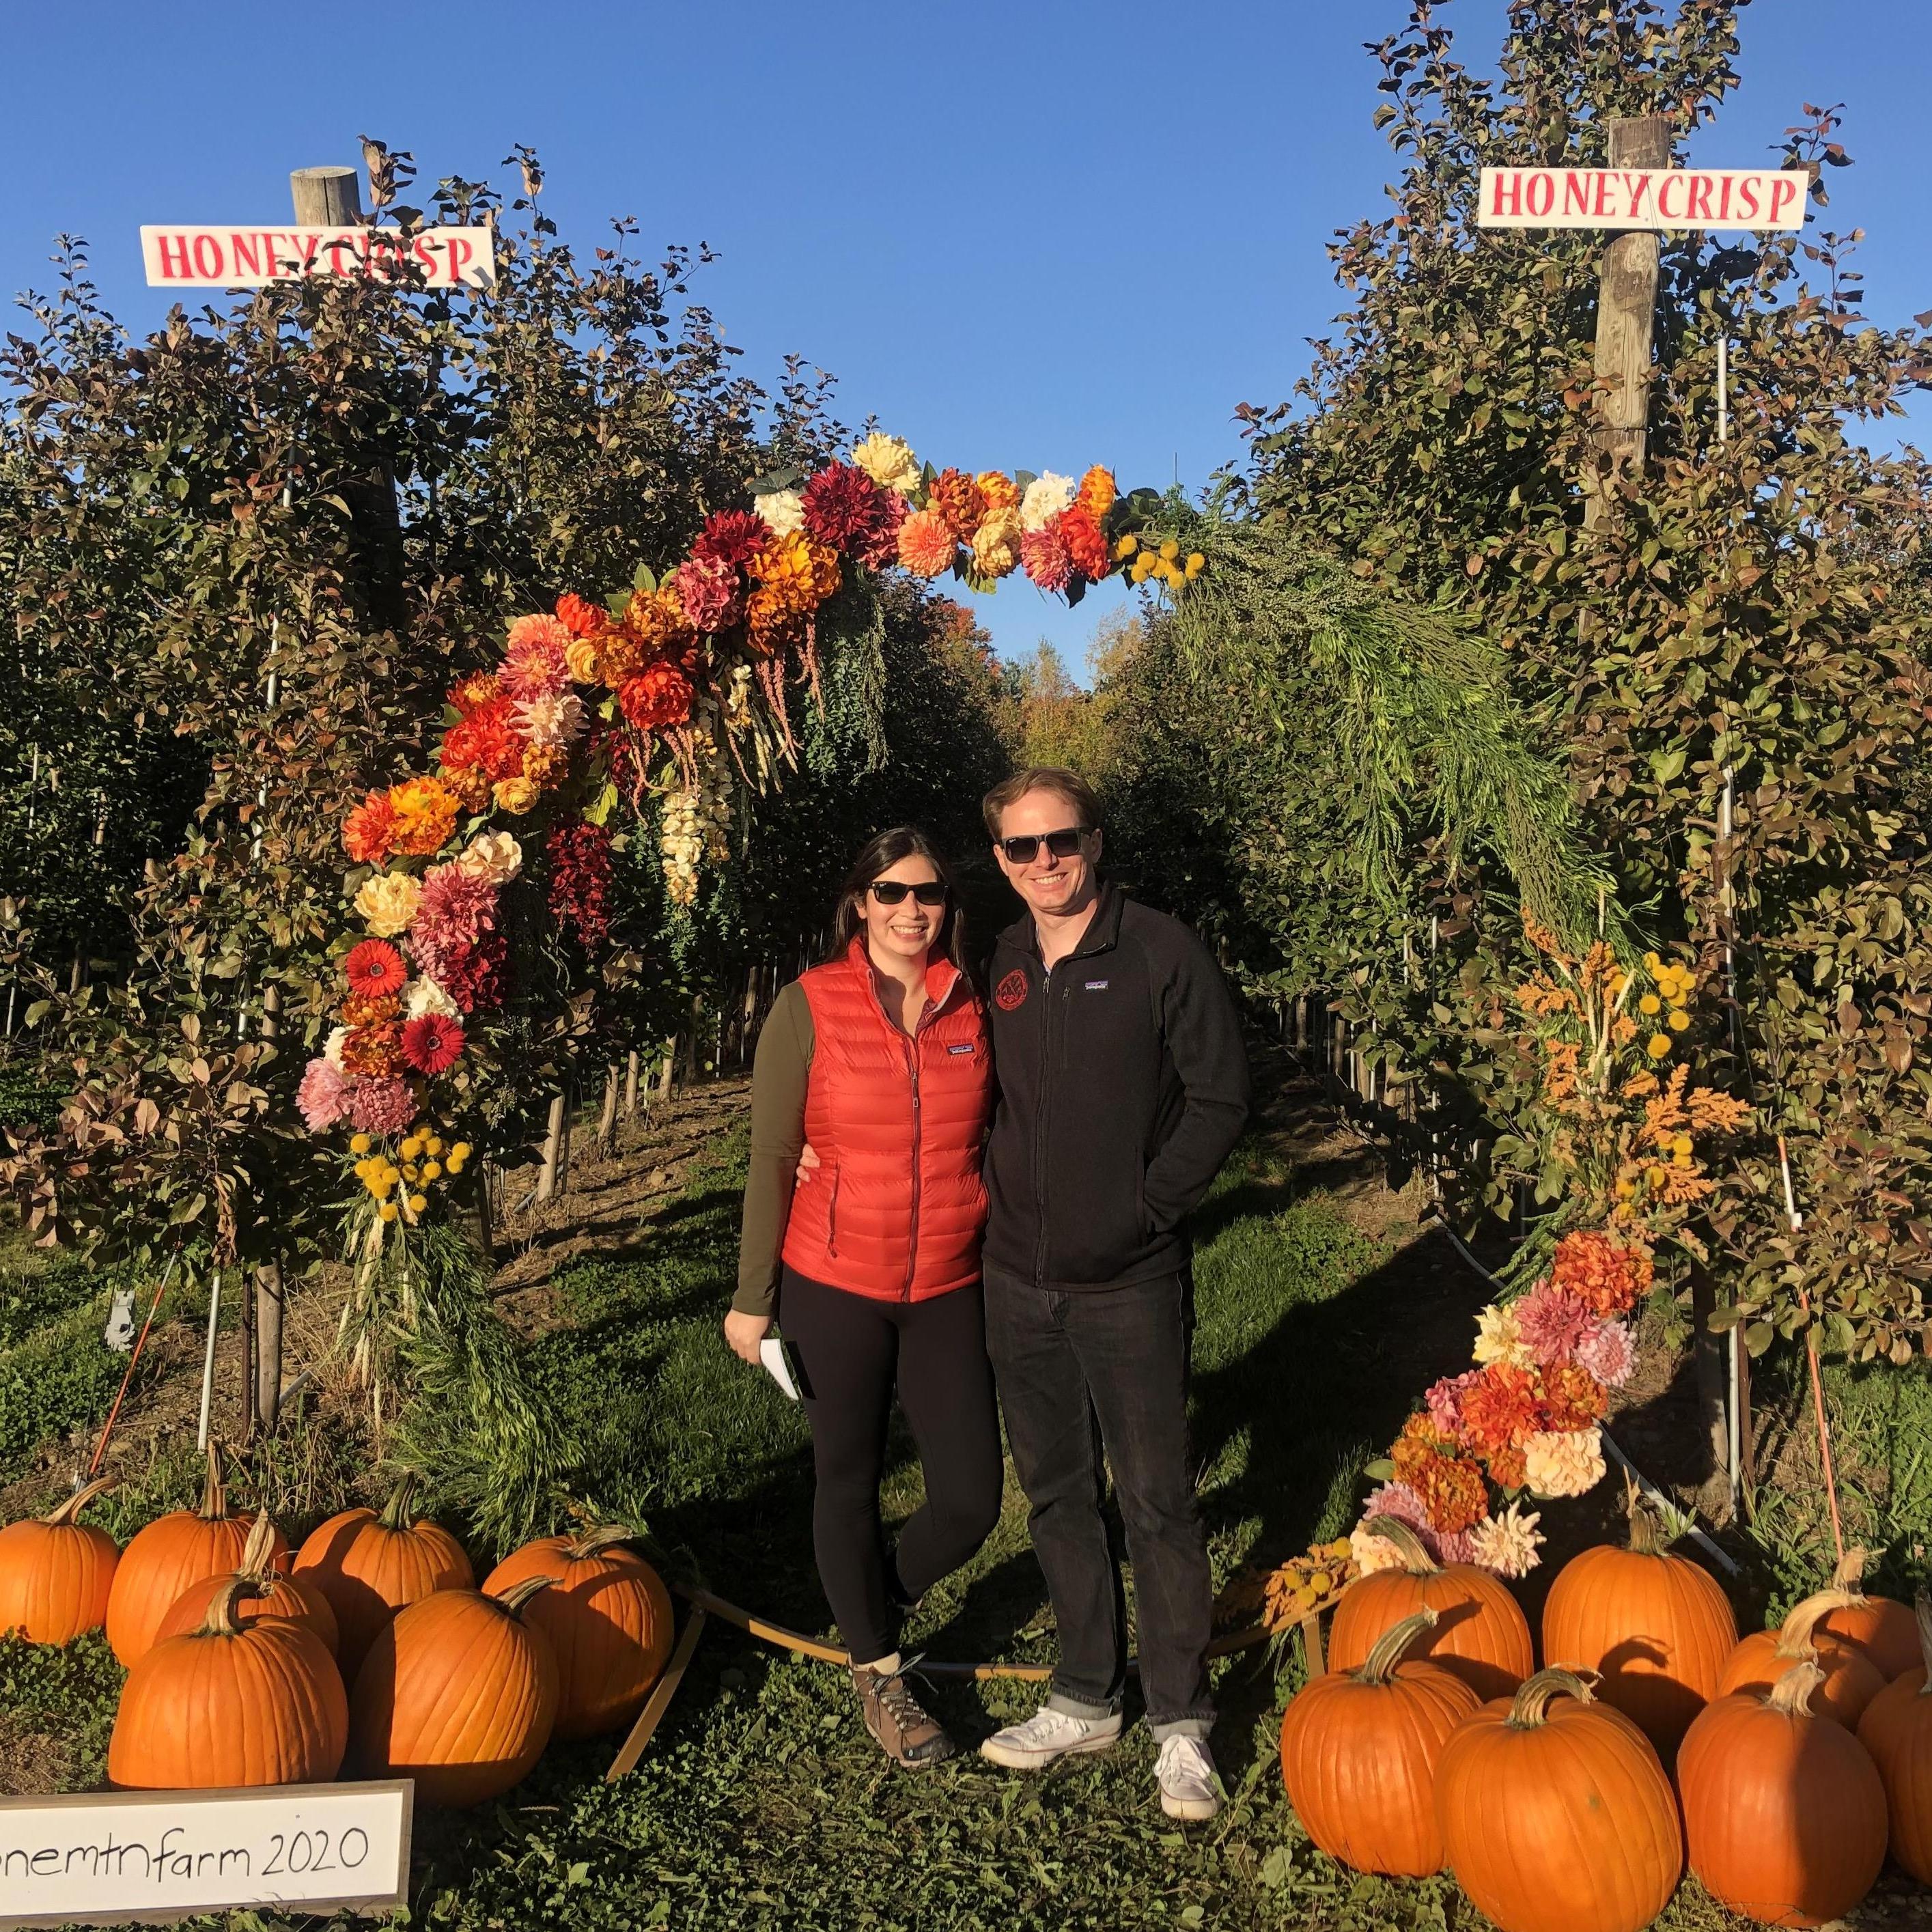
(1010, 993)
(1096, 985)
(967, 1048)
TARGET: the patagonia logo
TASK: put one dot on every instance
(1096, 985)
(1010, 993)
(967, 1048)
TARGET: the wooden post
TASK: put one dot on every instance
(670, 1072)
(1708, 1353)
(326, 197)
(630, 1067)
(1626, 313)
(247, 1360)
(606, 1124)
(268, 1344)
(552, 1144)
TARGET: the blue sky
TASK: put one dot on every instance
(1035, 235)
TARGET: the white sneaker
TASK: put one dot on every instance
(1189, 1786)
(1048, 1735)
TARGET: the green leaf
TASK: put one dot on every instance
(1665, 765)
(643, 578)
(1380, 1471)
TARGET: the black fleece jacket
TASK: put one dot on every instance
(1123, 1086)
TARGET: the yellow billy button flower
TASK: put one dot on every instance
(1657, 1045)
(460, 1151)
(1655, 1176)
(433, 1145)
(1169, 551)
(1679, 1021)
(360, 1143)
(409, 1170)
(1196, 563)
(412, 1147)
(1681, 1145)
(417, 1204)
(431, 1169)
(1651, 960)
(1649, 1003)
(1126, 547)
(388, 1210)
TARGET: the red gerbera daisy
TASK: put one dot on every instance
(375, 968)
(433, 1042)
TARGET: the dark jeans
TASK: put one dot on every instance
(1105, 1370)
(853, 1350)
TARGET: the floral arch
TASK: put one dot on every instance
(678, 688)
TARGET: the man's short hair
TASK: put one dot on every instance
(1055, 778)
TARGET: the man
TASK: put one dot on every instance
(1123, 1086)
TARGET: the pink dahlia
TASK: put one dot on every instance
(1046, 559)
(433, 1042)
(1399, 1501)
(1444, 1401)
(709, 589)
(534, 664)
(1608, 1353)
(731, 536)
(1552, 1321)
(456, 910)
(323, 1095)
(1461, 1547)
(381, 1106)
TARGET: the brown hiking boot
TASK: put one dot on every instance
(906, 1732)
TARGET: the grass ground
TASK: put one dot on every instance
(760, 1803)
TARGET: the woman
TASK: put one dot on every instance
(879, 1057)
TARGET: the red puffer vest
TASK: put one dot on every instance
(896, 1209)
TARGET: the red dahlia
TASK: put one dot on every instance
(845, 510)
(433, 1042)
(732, 536)
(375, 968)
(655, 698)
(580, 617)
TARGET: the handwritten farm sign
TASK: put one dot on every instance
(1755, 198)
(109, 1858)
(246, 257)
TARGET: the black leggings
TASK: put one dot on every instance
(853, 1350)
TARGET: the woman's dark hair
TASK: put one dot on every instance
(880, 853)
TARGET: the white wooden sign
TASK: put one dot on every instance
(247, 257)
(113, 1857)
(1753, 198)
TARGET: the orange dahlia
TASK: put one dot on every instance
(1572, 1398)
(580, 617)
(926, 543)
(1611, 1279)
(1096, 492)
(999, 490)
(958, 501)
(370, 830)
(794, 577)
(1086, 542)
(365, 1008)
(656, 619)
(546, 765)
(1451, 1487)
(470, 784)
(479, 688)
(425, 810)
(377, 1049)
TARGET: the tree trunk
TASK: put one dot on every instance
(630, 1067)
(1708, 1350)
(606, 1124)
(553, 1149)
(268, 1344)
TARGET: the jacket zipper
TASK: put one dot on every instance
(1041, 1122)
(924, 1019)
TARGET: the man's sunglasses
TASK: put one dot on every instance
(1023, 850)
(892, 892)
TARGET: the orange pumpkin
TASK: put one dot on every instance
(1480, 1633)
(1897, 1729)
(55, 1573)
(1882, 1627)
(1785, 1810)
(1358, 1755)
(608, 1618)
(1850, 1682)
(1655, 1627)
(171, 1552)
(233, 1703)
(459, 1694)
(1556, 1813)
(294, 1599)
(370, 1566)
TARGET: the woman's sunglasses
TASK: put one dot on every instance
(1025, 848)
(892, 892)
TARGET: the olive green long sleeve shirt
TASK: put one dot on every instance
(781, 1071)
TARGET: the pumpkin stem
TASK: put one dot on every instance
(1794, 1634)
(63, 1517)
(213, 1490)
(1530, 1707)
(396, 1511)
(1790, 1696)
(1646, 1533)
(1921, 1610)
(1415, 1558)
(520, 1593)
(259, 1550)
(1849, 1572)
(1392, 1645)
(221, 1620)
(592, 1542)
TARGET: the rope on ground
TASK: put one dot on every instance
(1652, 1492)
(779, 1638)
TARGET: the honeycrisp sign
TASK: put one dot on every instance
(1650, 198)
(234, 256)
